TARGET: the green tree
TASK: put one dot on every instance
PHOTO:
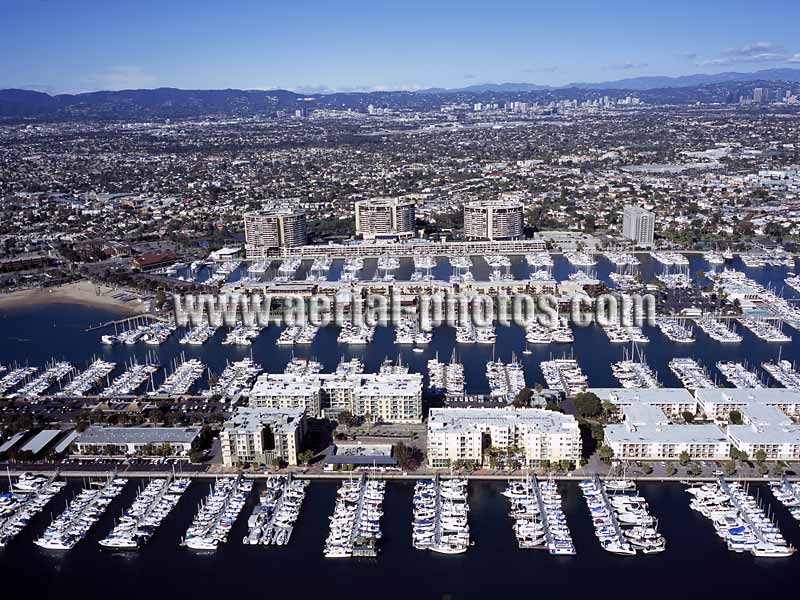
(305, 457)
(760, 456)
(606, 453)
(523, 398)
(695, 470)
(688, 417)
(161, 298)
(647, 468)
(587, 404)
(347, 419)
(683, 458)
(671, 469)
(735, 417)
(729, 468)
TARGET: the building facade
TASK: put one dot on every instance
(463, 434)
(390, 397)
(266, 231)
(493, 220)
(258, 436)
(379, 217)
(638, 225)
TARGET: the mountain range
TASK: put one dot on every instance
(634, 83)
(162, 103)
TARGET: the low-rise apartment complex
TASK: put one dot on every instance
(463, 434)
(258, 436)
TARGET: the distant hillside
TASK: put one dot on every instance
(166, 103)
(651, 83)
(633, 83)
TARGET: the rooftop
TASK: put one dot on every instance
(138, 435)
(38, 442)
(463, 419)
(252, 419)
(644, 395)
(664, 434)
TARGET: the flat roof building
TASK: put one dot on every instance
(718, 403)
(500, 219)
(767, 419)
(381, 217)
(258, 436)
(638, 225)
(267, 230)
(672, 401)
(648, 431)
(135, 440)
(389, 397)
(462, 434)
(360, 455)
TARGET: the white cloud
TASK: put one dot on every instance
(757, 52)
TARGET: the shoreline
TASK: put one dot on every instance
(349, 475)
(83, 293)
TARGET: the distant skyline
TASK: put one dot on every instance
(60, 46)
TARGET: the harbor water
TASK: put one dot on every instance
(696, 562)
(37, 334)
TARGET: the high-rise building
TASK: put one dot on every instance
(760, 95)
(500, 219)
(270, 229)
(638, 225)
(378, 217)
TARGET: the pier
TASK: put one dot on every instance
(140, 521)
(126, 321)
(72, 525)
(548, 534)
(355, 524)
(262, 523)
(744, 511)
(33, 495)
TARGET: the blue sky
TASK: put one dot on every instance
(85, 45)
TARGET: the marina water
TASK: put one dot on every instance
(696, 562)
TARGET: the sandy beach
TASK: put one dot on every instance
(81, 292)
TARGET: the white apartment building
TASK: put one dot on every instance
(672, 401)
(259, 435)
(500, 219)
(648, 434)
(638, 225)
(718, 403)
(391, 397)
(379, 217)
(767, 417)
(282, 391)
(395, 398)
(461, 434)
(267, 230)
(768, 429)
